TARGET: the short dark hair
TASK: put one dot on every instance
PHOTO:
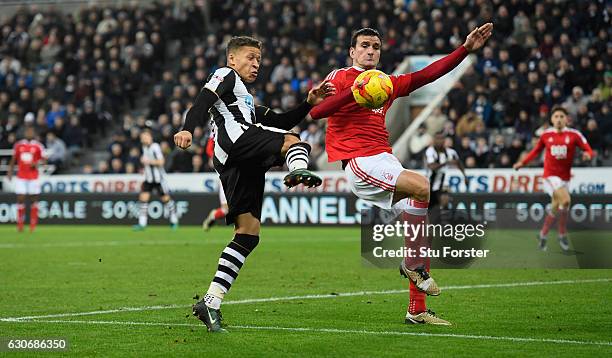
(237, 42)
(559, 108)
(366, 31)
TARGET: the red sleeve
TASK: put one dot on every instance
(15, 147)
(331, 104)
(210, 147)
(409, 82)
(535, 151)
(584, 145)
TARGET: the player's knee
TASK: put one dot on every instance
(421, 192)
(564, 203)
(246, 224)
(290, 139)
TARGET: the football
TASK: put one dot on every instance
(372, 89)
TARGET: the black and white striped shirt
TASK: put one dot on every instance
(153, 173)
(436, 177)
(233, 113)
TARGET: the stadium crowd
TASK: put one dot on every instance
(110, 72)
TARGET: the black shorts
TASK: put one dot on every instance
(159, 188)
(243, 176)
(434, 198)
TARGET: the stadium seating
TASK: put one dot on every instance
(96, 77)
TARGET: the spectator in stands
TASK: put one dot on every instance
(481, 152)
(110, 55)
(523, 126)
(594, 137)
(515, 150)
(467, 124)
(57, 110)
(464, 150)
(606, 86)
(57, 151)
(102, 168)
(73, 135)
(129, 168)
(575, 101)
(116, 166)
(197, 164)
(313, 135)
(419, 142)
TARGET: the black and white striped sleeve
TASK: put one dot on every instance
(222, 81)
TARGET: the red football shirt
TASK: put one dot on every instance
(27, 154)
(560, 148)
(354, 131)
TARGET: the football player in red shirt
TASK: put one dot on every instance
(358, 137)
(220, 212)
(28, 153)
(560, 143)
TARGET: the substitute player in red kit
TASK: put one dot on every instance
(220, 212)
(28, 154)
(358, 137)
(560, 143)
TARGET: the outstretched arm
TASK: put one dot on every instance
(474, 41)
(534, 153)
(290, 119)
(587, 153)
(331, 104)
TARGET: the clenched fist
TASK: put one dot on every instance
(183, 139)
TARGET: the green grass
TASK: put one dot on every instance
(62, 269)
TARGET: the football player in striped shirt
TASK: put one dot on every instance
(155, 182)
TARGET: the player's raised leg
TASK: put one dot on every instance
(297, 154)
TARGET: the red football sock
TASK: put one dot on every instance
(416, 214)
(417, 300)
(20, 216)
(219, 213)
(548, 221)
(562, 222)
(33, 216)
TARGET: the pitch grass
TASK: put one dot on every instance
(61, 269)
